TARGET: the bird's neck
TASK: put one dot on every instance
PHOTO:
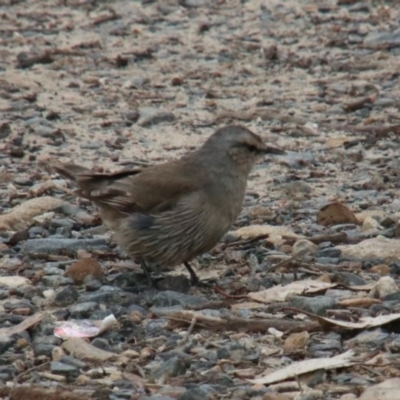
(228, 181)
(225, 166)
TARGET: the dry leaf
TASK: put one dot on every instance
(44, 393)
(296, 341)
(359, 302)
(22, 326)
(335, 142)
(386, 390)
(81, 269)
(336, 213)
(302, 367)
(21, 217)
(363, 322)
(275, 233)
(280, 293)
(82, 350)
(13, 281)
(379, 247)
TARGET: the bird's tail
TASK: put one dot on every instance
(70, 170)
(89, 180)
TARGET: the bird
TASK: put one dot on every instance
(167, 214)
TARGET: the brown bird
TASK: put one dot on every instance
(170, 213)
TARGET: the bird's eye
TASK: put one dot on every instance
(252, 148)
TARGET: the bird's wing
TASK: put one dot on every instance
(69, 170)
(154, 189)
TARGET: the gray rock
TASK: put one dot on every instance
(58, 246)
(394, 345)
(9, 306)
(385, 288)
(162, 312)
(26, 291)
(157, 327)
(316, 305)
(327, 260)
(73, 361)
(32, 122)
(51, 270)
(75, 212)
(385, 102)
(7, 372)
(6, 342)
(137, 308)
(83, 310)
(127, 394)
(91, 145)
(45, 131)
(55, 281)
(171, 368)
(379, 40)
(44, 345)
(237, 353)
(348, 379)
(109, 295)
(329, 344)
(92, 284)
(5, 130)
(57, 367)
(66, 296)
(23, 181)
(370, 339)
(103, 393)
(62, 226)
(101, 343)
(132, 115)
(135, 82)
(170, 298)
(392, 296)
(297, 159)
(330, 252)
(204, 392)
(152, 116)
(339, 293)
(349, 279)
(294, 188)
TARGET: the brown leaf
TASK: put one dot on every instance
(305, 366)
(359, 302)
(21, 216)
(296, 342)
(336, 213)
(31, 392)
(82, 350)
(80, 269)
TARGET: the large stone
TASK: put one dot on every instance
(379, 247)
(61, 246)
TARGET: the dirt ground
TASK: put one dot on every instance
(119, 84)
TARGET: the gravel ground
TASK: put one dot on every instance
(304, 296)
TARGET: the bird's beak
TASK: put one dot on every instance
(267, 149)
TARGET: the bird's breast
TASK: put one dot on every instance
(228, 197)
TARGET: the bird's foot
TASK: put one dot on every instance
(204, 284)
(194, 280)
(150, 280)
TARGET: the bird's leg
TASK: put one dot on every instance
(194, 280)
(147, 273)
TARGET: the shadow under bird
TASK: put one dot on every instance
(170, 213)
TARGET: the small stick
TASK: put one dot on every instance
(286, 262)
(36, 367)
(189, 331)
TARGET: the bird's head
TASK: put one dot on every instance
(240, 144)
